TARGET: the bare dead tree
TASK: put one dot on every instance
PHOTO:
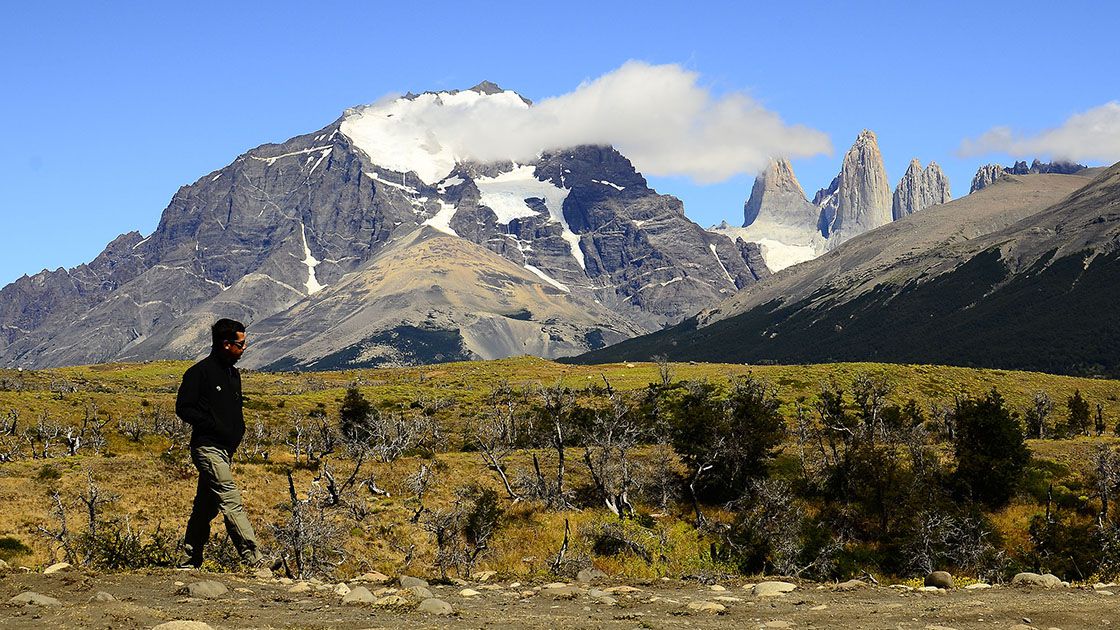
(558, 562)
(870, 393)
(1106, 478)
(419, 483)
(11, 449)
(42, 436)
(497, 433)
(310, 540)
(612, 434)
(60, 535)
(555, 407)
(298, 439)
(8, 424)
(134, 429)
(94, 499)
(664, 370)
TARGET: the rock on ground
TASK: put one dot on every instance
(421, 592)
(408, 581)
(434, 606)
(392, 601)
(206, 589)
(360, 595)
(940, 579)
(102, 596)
(851, 585)
(183, 625)
(587, 576)
(31, 598)
(1035, 580)
(771, 589)
(57, 567)
(706, 607)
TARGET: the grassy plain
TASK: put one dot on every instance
(155, 489)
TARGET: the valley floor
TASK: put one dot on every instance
(145, 600)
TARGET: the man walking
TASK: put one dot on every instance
(210, 401)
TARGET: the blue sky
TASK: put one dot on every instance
(110, 107)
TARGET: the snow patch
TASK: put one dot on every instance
(394, 135)
(606, 183)
(146, 239)
(448, 183)
(408, 189)
(214, 178)
(312, 284)
(506, 195)
(547, 278)
(326, 152)
(729, 278)
(272, 160)
(442, 219)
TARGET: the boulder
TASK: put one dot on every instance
(359, 595)
(206, 589)
(300, 587)
(587, 576)
(373, 577)
(940, 579)
(102, 596)
(31, 598)
(420, 592)
(57, 567)
(392, 601)
(1034, 580)
(562, 592)
(433, 606)
(979, 586)
(409, 581)
(711, 608)
(469, 592)
(772, 589)
(851, 585)
(484, 576)
(341, 589)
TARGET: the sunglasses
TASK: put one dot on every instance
(240, 344)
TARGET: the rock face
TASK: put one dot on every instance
(989, 173)
(920, 188)
(269, 235)
(778, 199)
(860, 198)
(986, 176)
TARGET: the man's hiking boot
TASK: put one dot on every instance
(188, 564)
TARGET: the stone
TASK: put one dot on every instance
(433, 606)
(469, 592)
(3, 566)
(562, 592)
(407, 581)
(358, 595)
(183, 625)
(206, 589)
(587, 576)
(1034, 580)
(56, 568)
(554, 585)
(777, 624)
(102, 596)
(420, 592)
(341, 589)
(300, 587)
(484, 576)
(263, 573)
(940, 579)
(979, 586)
(930, 589)
(772, 589)
(622, 589)
(373, 577)
(850, 585)
(717, 588)
(392, 601)
(706, 607)
(31, 598)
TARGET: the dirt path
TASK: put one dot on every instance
(149, 599)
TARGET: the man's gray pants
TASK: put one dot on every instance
(218, 494)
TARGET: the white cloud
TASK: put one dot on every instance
(658, 116)
(1093, 135)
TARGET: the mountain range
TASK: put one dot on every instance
(370, 242)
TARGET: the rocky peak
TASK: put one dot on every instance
(920, 188)
(487, 87)
(862, 200)
(989, 173)
(986, 176)
(777, 196)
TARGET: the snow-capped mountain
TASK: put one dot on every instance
(557, 252)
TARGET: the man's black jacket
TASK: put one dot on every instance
(210, 401)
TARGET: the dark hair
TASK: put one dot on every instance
(225, 330)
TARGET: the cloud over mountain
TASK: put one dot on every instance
(1093, 135)
(657, 115)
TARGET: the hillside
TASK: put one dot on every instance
(1018, 275)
